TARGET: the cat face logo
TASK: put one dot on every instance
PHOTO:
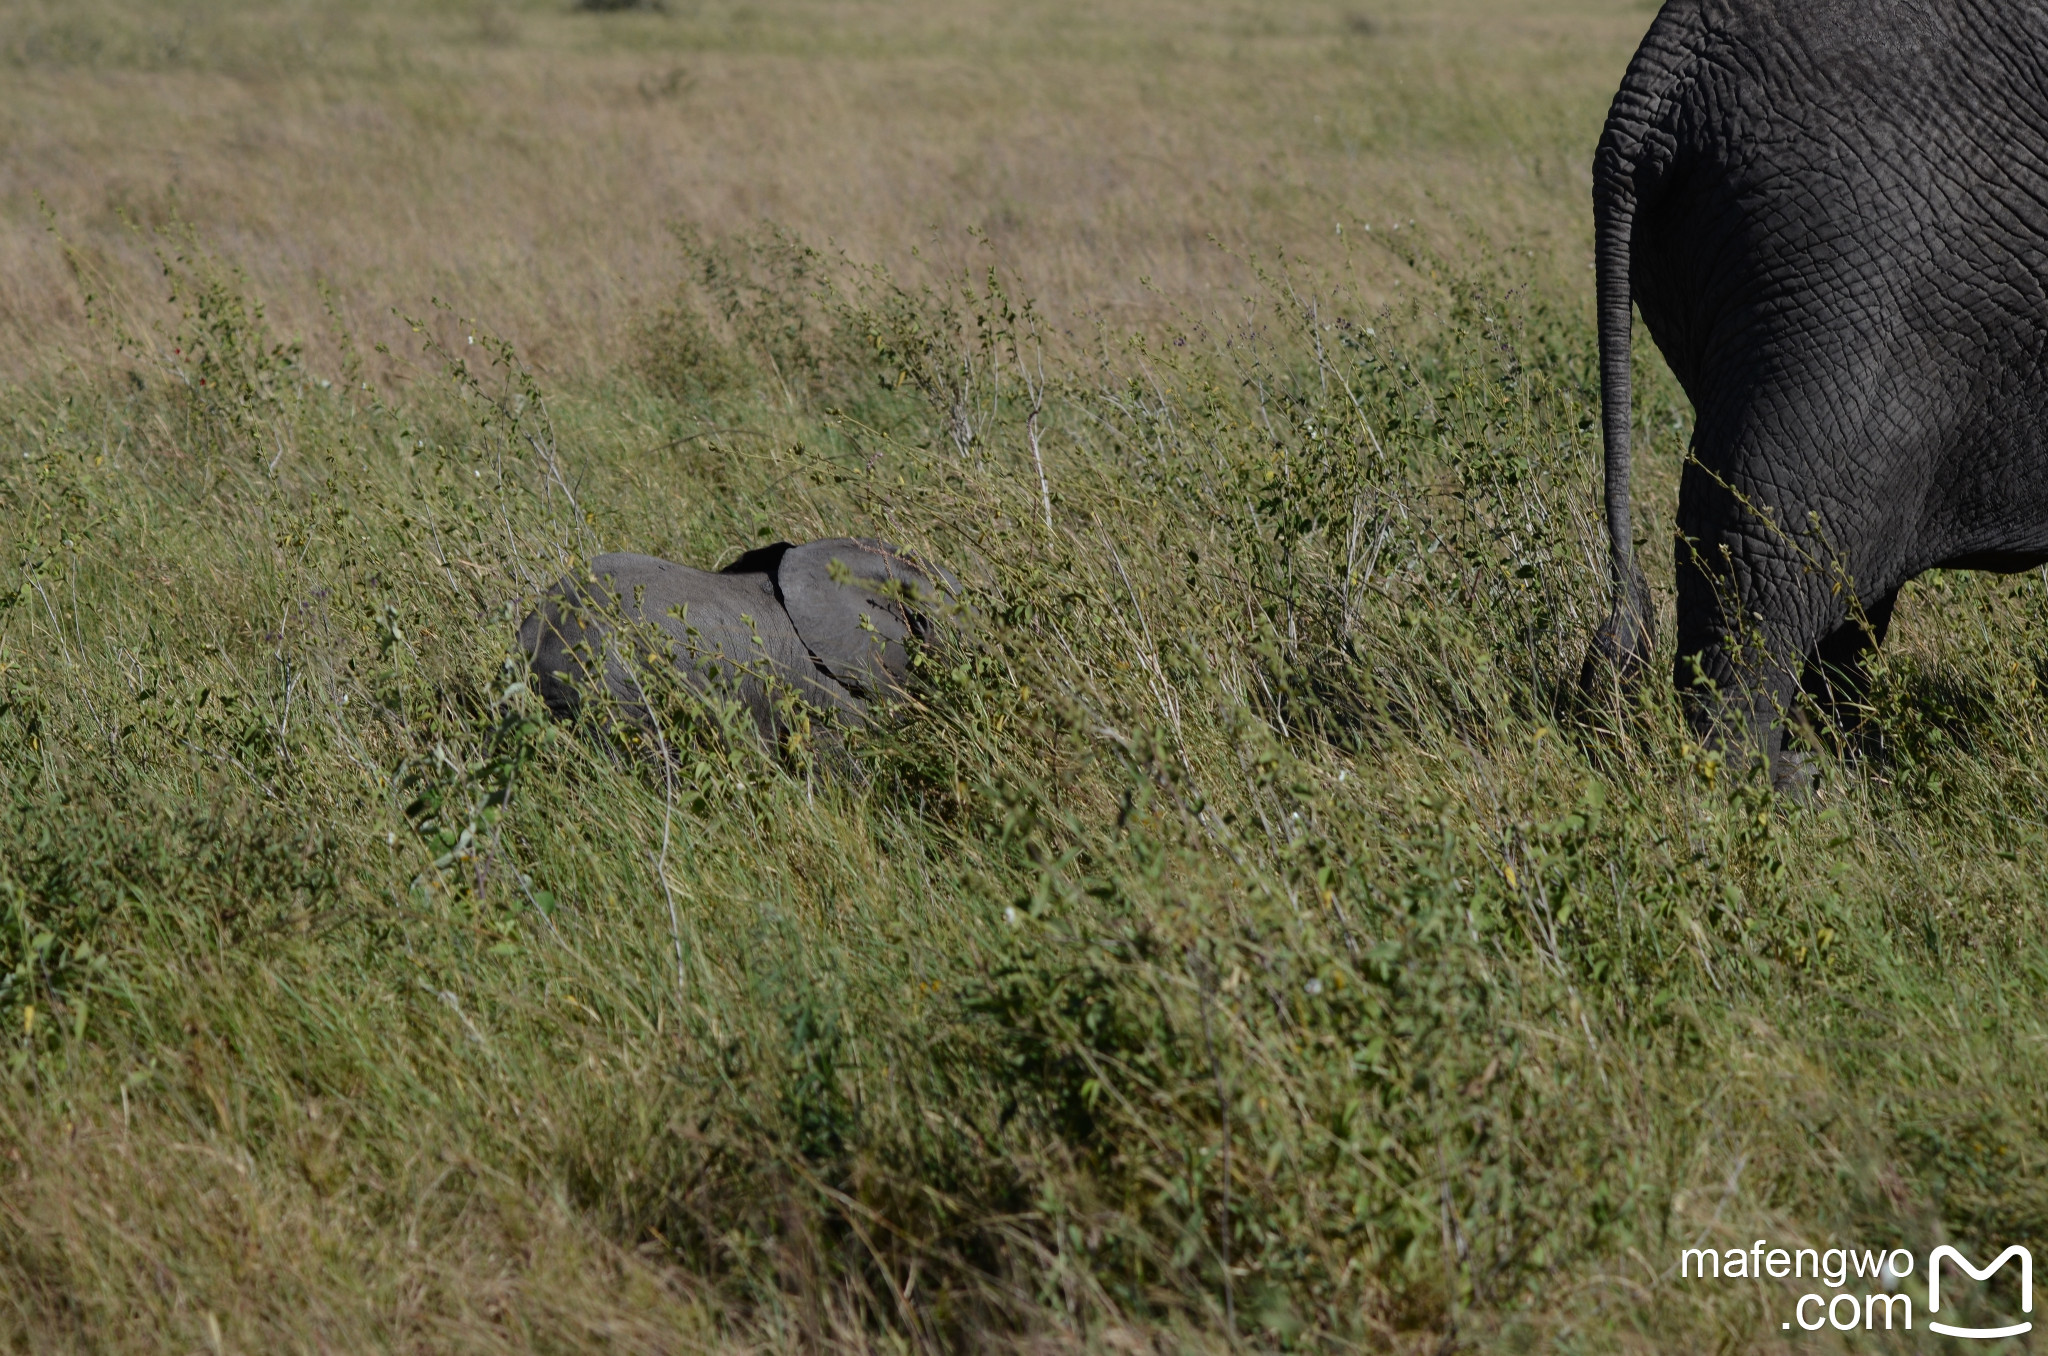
(1986, 1334)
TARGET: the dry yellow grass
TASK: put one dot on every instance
(523, 162)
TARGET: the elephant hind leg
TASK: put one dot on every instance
(1757, 623)
(1836, 680)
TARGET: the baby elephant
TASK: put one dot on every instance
(825, 621)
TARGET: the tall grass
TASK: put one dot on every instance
(1243, 938)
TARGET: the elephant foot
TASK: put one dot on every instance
(1795, 775)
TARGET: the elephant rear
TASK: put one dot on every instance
(1820, 210)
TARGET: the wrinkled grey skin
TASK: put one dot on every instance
(775, 623)
(1834, 216)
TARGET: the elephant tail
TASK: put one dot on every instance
(1622, 646)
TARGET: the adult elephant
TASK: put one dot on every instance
(1834, 216)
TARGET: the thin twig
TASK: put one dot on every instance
(1223, 1109)
(668, 812)
(1033, 433)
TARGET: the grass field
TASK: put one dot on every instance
(526, 162)
(1243, 940)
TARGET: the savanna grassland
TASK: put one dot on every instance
(1244, 937)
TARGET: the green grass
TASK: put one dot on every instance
(1245, 937)
(1248, 885)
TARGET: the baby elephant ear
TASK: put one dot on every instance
(854, 625)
